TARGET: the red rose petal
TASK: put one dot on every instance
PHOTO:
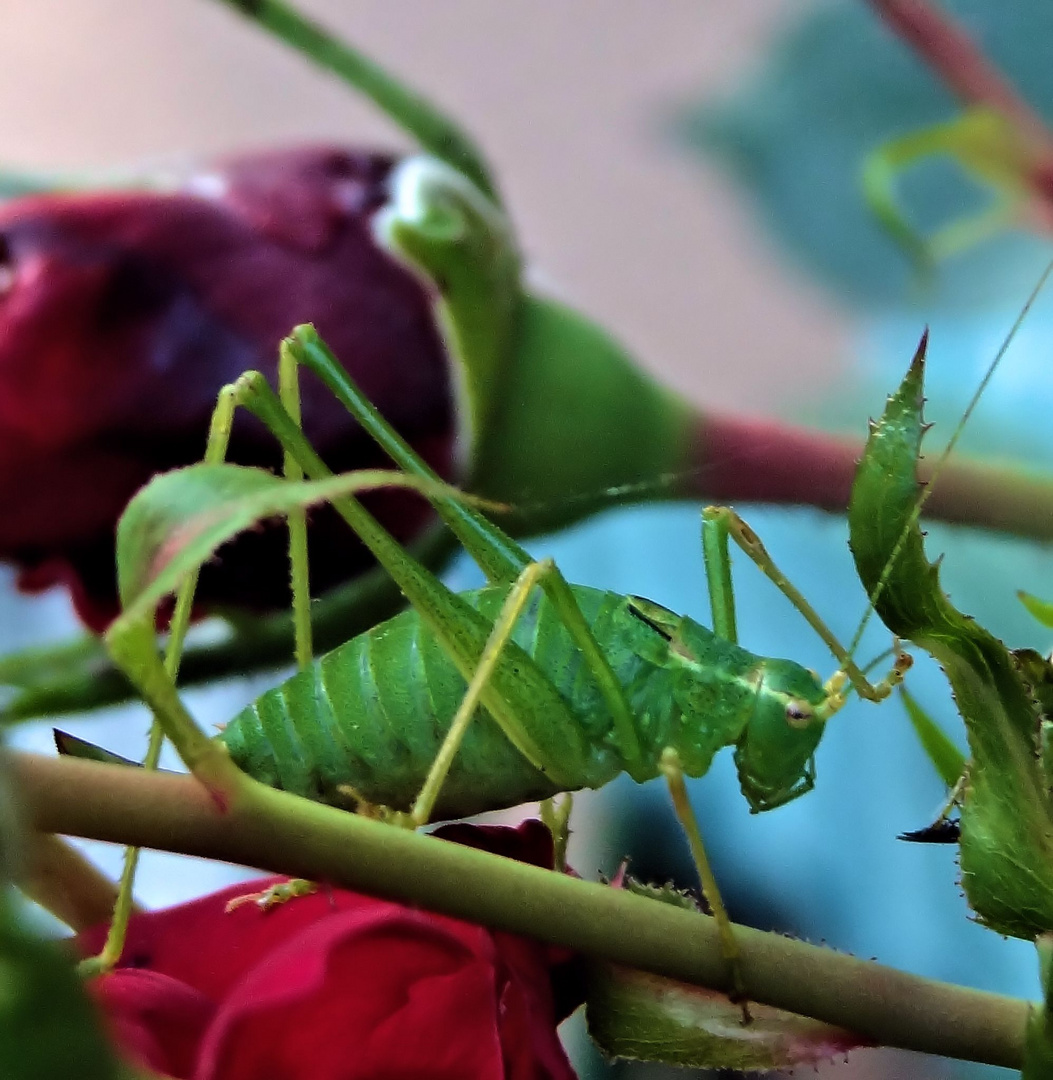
(157, 1021)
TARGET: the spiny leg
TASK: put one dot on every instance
(721, 522)
(674, 775)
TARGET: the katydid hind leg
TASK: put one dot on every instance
(499, 556)
(546, 576)
(499, 638)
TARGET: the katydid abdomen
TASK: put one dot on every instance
(370, 716)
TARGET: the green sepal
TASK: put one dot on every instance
(986, 146)
(1006, 820)
(946, 758)
(463, 244)
(557, 412)
(579, 426)
(640, 1017)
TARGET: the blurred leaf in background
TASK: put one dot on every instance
(835, 86)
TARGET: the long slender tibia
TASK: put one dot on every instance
(674, 775)
(728, 521)
(289, 391)
(499, 637)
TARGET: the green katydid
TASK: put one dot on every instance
(579, 685)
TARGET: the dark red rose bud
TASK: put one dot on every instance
(122, 315)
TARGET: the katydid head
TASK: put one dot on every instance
(774, 756)
(773, 710)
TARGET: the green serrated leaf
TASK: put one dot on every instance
(642, 1017)
(1007, 825)
(946, 758)
(179, 520)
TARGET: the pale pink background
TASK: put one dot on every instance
(568, 98)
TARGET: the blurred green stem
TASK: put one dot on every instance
(436, 132)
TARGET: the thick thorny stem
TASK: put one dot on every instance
(284, 834)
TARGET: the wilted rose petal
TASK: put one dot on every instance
(337, 986)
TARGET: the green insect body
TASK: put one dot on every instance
(480, 700)
(372, 714)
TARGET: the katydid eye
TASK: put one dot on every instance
(798, 714)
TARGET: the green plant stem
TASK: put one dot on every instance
(739, 459)
(436, 132)
(282, 833)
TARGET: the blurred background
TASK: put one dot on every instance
(684, 173)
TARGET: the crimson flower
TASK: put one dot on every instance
(122, 315)
(336, 986)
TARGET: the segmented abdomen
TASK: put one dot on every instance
(371, 715)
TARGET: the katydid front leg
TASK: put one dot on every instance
(720, 522)
(215, 451)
